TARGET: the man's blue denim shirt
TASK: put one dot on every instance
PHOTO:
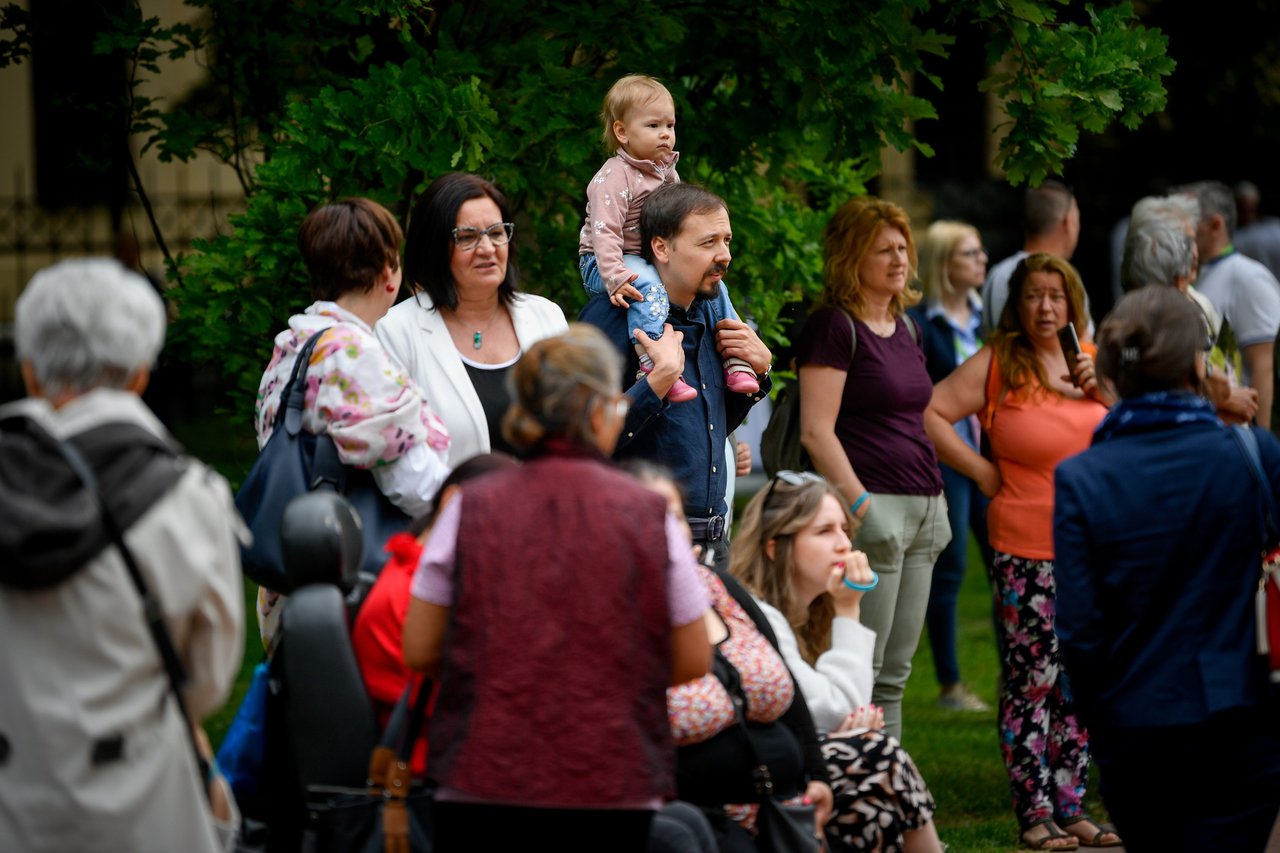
(689, 438)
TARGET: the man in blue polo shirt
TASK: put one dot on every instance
(685, 234)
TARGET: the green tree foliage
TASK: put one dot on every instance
(783, 108)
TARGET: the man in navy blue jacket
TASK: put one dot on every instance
(685, 234)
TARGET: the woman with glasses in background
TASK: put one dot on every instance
(953, 266)
(467, 323)
(794, 555)
(1037, 409)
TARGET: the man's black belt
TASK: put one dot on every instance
(707, 529)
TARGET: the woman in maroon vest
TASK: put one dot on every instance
(570, 602)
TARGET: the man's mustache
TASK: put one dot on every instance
(717, 268)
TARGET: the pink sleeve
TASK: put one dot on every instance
(686, 593)
(433, 579)
(608, 198)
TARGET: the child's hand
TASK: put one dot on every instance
(624, 293)
(743, 459)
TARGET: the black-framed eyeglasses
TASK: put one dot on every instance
(498, 233)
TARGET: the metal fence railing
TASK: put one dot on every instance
(32, 237)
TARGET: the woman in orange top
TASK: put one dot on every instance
(1038, 411)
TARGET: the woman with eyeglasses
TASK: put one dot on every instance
(467, 323)
(953, 266)
(1158, 529)
(793, 553)
(1036, 410)
(564, 628)
(863, 392)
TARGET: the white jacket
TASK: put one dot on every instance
(842, 680)
(415, 333)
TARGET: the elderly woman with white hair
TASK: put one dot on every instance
(1160, 249)
(95, 753)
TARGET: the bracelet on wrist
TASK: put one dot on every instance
(863, 587)
(853, 508)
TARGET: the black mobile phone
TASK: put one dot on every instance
(1070, 349)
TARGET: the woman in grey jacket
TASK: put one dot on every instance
(94, 753)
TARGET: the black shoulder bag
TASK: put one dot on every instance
(294, 462)
(780, 828)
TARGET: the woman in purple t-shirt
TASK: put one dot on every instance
(864, 389)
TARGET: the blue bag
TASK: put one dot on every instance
(242, 753)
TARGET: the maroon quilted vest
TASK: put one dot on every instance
(558, 654)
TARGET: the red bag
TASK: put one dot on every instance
(1267, 600)
(1268, 603)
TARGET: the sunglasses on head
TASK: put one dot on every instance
(791, 478)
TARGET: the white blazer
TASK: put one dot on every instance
(415, 334)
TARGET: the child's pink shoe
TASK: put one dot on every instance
(681, 391)
(741, 381)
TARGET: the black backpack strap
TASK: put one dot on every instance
(151, 609)
(797, 717)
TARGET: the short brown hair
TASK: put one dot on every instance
(666, 209)
(1149, 342)
(1044, 206)
(625, 95)
(847, 242)
(347, 244)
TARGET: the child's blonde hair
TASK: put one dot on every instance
(625, 95)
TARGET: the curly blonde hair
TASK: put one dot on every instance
(777, 513)
(847, 242)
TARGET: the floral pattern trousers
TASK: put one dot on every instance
(1044, 746)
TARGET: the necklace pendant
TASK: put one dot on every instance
(476, 341)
